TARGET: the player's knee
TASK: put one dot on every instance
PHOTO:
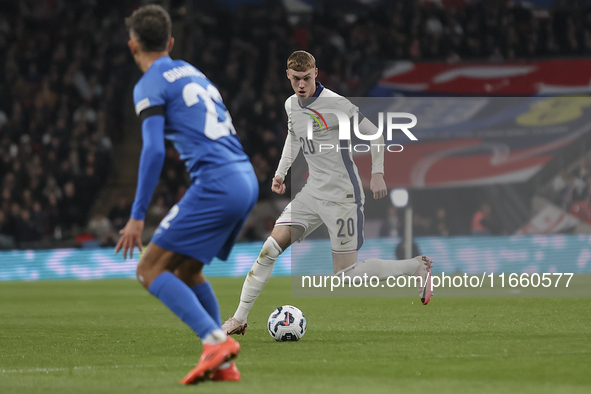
(190, 273)
(270, 252)
(282, 235)
(142, 275)
(145, 271)
(139, 274)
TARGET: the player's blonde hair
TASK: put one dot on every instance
(301, 61)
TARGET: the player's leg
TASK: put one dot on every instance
(262, 269)
(192, 275)
(419, 266)
(214, 362)
(241, 191)
(345, 227)
(155, 273)
(347, 263)
(258, 276)
(201, 227)
(296, 221)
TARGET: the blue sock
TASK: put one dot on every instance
(207, 298)
(179, 298)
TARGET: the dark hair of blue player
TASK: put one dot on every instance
(152, 26)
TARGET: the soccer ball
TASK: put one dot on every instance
(287, 323)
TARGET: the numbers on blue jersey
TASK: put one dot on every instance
(310, 144)
(165, 223)
(218, 122)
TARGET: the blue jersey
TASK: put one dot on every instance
(196, 119)
(178, 103)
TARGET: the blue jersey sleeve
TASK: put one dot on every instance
(151, 161)
(148, 93)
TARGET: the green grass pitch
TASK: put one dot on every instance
(113, 337)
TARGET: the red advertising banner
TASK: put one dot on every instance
(465, 141)
(551, 77)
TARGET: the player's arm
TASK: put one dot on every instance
(287, 156)
(284, 163)
(151, 162)
(377, 184)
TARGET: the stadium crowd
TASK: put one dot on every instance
(61, 65)
(64, 64)
(485, 30)
(571, 190)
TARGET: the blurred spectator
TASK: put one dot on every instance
(441, 225)
(6, 234)
(53, 212)
(101, 229)
(88, 185)
(421, 225)
(481, 223)
(120, 213)
(572, 191)
(586, 192)
(401, 247)
(70, 207)
(581, 207)
(25, 228)
(156, 212)
(391, 225)
(38, 219)
(559, 182)
(582, 169)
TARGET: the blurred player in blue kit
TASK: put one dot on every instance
(176, 102)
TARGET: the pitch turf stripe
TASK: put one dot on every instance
(520, 355)
(89, 367)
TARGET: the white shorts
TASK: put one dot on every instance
(343, 220)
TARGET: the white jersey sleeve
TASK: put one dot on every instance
(289, 149)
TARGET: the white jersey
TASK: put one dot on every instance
(333, 175)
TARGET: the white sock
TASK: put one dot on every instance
(381, 268)
(215, 337)
(225, 365)
(257, 278)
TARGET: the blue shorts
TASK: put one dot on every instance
(207, 220)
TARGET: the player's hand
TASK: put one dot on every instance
(378, 186)
(131, 235)
(278, 186)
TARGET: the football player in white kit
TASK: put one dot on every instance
(333, 194)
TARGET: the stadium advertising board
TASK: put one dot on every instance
(476, 140)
